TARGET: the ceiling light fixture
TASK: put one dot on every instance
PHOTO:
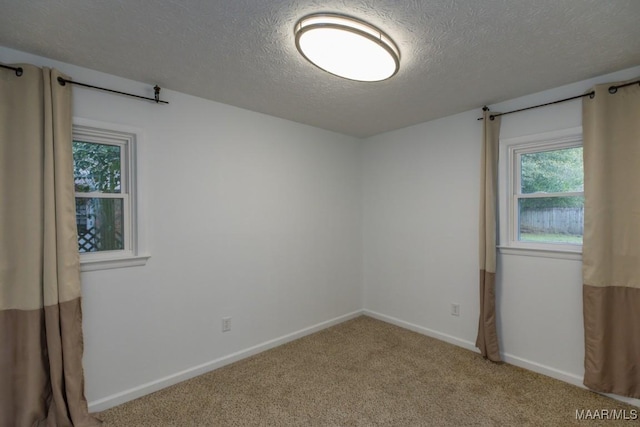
(347, 47)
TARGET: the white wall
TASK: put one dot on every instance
(244, 215)
(420, 204)
(420, 198)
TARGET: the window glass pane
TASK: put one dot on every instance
(96, 167)
(554, 171)
(100, 224)
(551, 220)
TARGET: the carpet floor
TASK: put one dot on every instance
(365, 372)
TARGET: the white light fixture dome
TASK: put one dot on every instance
(347, 47)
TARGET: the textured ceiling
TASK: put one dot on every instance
(455, 54)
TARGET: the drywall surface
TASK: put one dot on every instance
(420, 204)
(243, 214)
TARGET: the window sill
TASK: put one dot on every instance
(541, 253)
(110, 263)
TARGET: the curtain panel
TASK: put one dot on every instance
(487, 340)
(41, 375)
(611, 248)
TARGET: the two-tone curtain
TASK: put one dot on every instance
(611, 248)
(41, 375)
(487, 340)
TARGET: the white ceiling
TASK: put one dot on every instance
(456, 55)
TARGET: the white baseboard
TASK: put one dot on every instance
(562, 376)
(508, 358)
(422, 330)
(150, 387)
(543, 369)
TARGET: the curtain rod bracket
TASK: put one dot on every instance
(484, 108)
(156, 91)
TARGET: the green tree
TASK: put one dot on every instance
(97, 168)
(554, 171)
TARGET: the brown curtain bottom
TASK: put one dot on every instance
(612, 339)
(41, 376)
(487, 340)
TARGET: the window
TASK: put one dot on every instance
(104, 179)
(546, 193)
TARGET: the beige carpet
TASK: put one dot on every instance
(365, 372)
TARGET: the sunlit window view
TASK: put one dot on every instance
(550, 198)
(99, 205)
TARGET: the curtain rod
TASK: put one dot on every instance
(612, 90)
(18, 70)
(155, 99)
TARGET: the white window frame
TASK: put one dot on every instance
(512, 149)
(91, 132)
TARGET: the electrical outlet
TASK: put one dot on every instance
(226, 324)
(455, 309)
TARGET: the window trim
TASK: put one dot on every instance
(511, 149)
(128, 139)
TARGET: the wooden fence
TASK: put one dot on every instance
(92, 240)
(553, 220)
